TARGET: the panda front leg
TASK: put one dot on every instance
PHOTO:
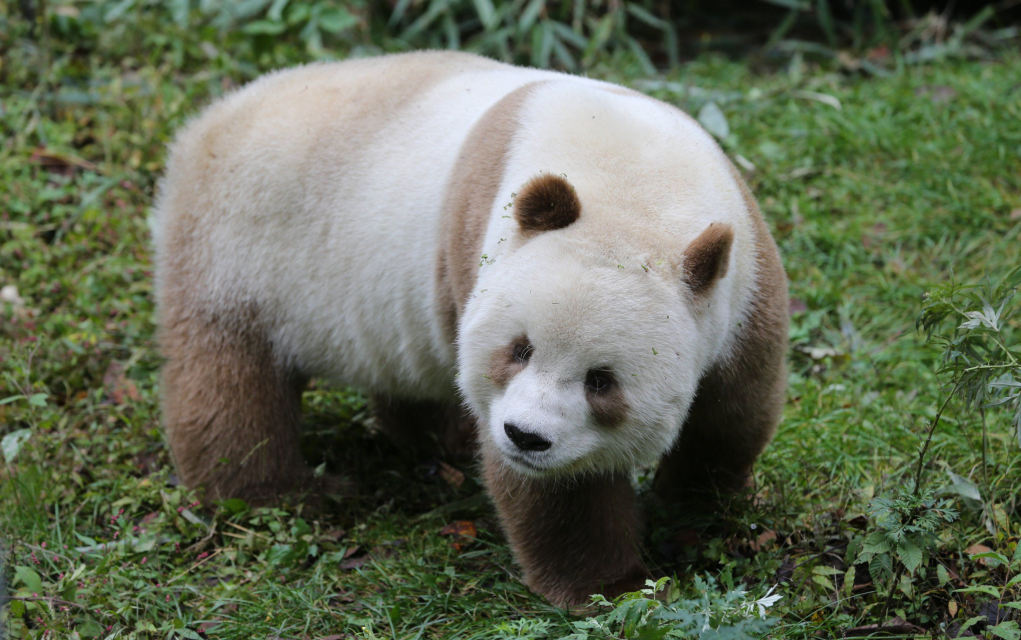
(231, 410)
(722, 437)
(736, 410)
(572, 537)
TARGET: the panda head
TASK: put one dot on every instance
(573, 363)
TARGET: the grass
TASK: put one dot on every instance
(899, 184)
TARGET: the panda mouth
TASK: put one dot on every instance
(524, 462)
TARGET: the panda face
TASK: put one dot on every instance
(571, 364)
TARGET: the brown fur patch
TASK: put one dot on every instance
(572, 538)
(504, 364)
(471, 194)
(609, 407)
(231, 411)
(739, 401)
(707, 257)
(547, 202)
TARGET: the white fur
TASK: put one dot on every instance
(650, 180)
(336, 242)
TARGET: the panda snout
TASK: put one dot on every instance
(525, 440)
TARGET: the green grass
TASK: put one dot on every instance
(914, 180)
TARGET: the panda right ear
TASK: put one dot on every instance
(545, 203)
(707, 257)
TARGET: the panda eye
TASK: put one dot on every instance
(598, 380)
(522, 352)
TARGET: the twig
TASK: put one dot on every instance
(928, 439)
(197, 564)
(204, 541)
(51, 600)
(889, 597)
(49, 551)
(254, 533)
(988, 502)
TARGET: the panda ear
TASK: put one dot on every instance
(545, 203)
(707, 257)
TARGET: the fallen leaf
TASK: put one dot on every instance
(62, 163)
(460, 528)
(354, 558)
(462, 531)
(118, 388)
(209, 625)
(875, 237)
(711, 117)
(147, 463)
(767, 537)
(878, 54)
(848, 61)
(818, 353)
(744, 162)
(451, 475)
(824, 98)
(336, 534)
(979, 548)
(797, 306)
(952, 608)
(10, 294)
(1015, 214)
(937, 93)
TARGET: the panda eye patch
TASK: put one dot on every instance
(599, 381)
(522, 351)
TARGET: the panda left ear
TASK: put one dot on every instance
(544, 203)
(707, 257)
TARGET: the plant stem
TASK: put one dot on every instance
(985, 473)
(44, 45)
(889, 598)
(928, 439)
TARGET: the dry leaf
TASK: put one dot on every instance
(1015, 214)
(979, 548)
(878, 54)
(354, 558)
(764, 539)
(209, 625)
(118, 388)
(61, 163)
(462, 531)
(451, 475)
(937, 93)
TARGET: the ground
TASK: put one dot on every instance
(877, 188)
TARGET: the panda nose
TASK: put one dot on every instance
(524, 440)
